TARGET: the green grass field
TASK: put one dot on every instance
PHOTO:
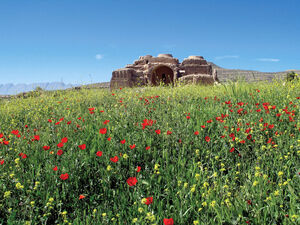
(227, 154)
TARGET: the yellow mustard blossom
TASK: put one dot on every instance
(134, 220)
(213, 204)
(185, 185)
(19, 186)
(140, 209)
(255, 183)
(125, 156)
(7, 194)
(196, 222)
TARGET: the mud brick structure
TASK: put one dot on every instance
(149, 70)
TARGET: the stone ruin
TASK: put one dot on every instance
(149, 70)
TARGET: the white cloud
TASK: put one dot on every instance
(99, 56)
(227, 57)
(268, 60)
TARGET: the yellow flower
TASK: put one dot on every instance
(64, 213)
(185, 185)
(104, 214)
(197, 176)
(193, 189)
(204, 204)
(19, 186)
(134, 220)
(196, 222)
(108, 168)
(140, 210)
(156, 166)
(51, 199)
(213, 204)
(7, 194)
(280, 173)
(32, 203)
(125, 156)
(95, 211)
(276, 193)
(255, 183)
(205, 184)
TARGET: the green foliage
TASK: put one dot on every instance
(229, 178)
(291, 76)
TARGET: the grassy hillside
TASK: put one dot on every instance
(161, 155)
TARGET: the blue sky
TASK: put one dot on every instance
(83, 41)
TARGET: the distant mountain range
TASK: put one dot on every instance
(223, 74)
(12, 89)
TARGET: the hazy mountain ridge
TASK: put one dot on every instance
(12, 89)
(248, 75)
(222, 73)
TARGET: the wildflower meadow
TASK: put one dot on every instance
(189, 155)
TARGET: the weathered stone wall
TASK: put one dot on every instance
(143, 71)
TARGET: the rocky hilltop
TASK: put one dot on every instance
(248, 75)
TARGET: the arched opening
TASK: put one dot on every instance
(162, 74)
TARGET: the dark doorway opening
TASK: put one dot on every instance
(162, 74)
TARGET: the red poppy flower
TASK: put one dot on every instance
(169, 132)
(209, 121)
(81, 196)
(59, 152)
(2, 162)
(249, 202)
(148, 147)
(99, 153)
(157, 131)
(168, 221)
(196, 132)
(188, 117)
(203, 126)
(207, 139)
(46, 148)
(55, 168)
(231, 150)
(149, 200)
(64, 176)
(103, 131)
(60, 145)
(23, 155)
(138, 169)
(106, 122)
(50, 121)
(131, 181)
(82, 147)
(109, 138)
(132, 146)
(69, 122)
(64, 140)
(123, 141)
(36, 137)
(114, 159)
